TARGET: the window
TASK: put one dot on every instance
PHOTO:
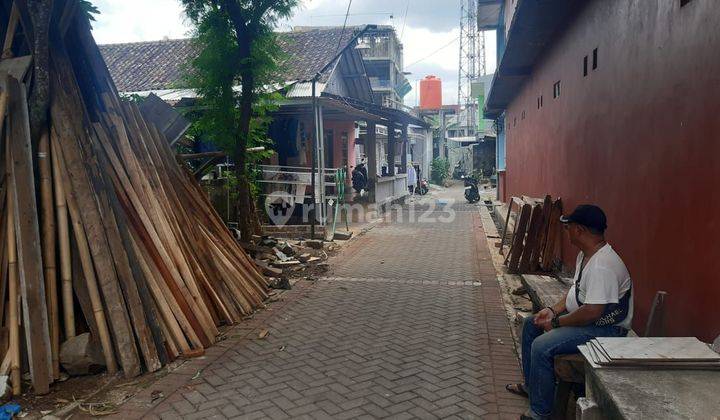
(684, 2)
(585, 66)
(514, 121)
(595, 59)
(538, 102)
(523, 115)
(541, 101)
(556, 89)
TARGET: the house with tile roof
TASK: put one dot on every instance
(351, 126)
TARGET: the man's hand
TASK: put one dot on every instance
(543, 319)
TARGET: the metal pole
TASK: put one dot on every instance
(317, 122)
(312, 171)
(321, 164)
(227, 187)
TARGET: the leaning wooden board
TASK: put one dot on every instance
(154, 269)
(32, 283)
(532, 241)
(519, 238)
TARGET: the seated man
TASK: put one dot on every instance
(599, 304)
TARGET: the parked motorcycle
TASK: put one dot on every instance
(472, 193)
(423, 187)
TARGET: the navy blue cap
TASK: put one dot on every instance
(587, 215)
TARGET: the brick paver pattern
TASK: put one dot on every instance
(408, 324)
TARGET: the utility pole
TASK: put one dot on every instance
(472, 63)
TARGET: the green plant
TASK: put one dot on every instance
(439, 170)
(89, 9)
(237, 48)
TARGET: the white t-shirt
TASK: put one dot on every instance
(605, 279)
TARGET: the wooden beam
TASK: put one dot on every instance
(10, 31)
(70, 134)
(534, 229)
(191, 156)
(87, 291)
(49, 250)
(200, 171)
(519, 239)
(32, 283)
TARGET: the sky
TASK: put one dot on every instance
(429, 29)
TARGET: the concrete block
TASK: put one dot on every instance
(586, 409)
(343, 236)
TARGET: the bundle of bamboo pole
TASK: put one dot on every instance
(104, 231)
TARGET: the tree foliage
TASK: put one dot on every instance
(89, 9)
(439, 170)
(237, 63)
(218, 115)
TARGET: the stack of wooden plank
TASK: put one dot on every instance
(103, 230)
(651, 352)
(535, 238)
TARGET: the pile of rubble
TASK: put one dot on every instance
(283, 259)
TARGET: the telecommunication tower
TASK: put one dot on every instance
(472, 64)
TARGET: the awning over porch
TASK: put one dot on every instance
(386, 115)
(333, 109)
(340, 108)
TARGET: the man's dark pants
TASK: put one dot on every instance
(538, 357)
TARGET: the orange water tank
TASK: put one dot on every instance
(430, 93)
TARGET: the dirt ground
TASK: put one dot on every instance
(82, 397)
(92, 395)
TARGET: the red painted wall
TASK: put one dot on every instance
(339, 129)
(639, 136)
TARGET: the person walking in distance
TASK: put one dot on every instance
(411, 178)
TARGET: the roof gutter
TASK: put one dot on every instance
(534, 28)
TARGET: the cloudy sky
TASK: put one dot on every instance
(429, 29)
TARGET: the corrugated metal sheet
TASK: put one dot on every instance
(304, 90)
(167, 95)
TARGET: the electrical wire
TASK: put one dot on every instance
(342, 33)
(433, 53)
(402, 32)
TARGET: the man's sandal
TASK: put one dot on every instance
(527, 416)
(517, 389)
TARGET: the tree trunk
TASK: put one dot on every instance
(39, 101)
(247, 216)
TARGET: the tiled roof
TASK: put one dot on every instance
(156, 65)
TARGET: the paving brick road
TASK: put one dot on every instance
(408, 324)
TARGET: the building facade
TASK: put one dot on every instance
(351, 127)
(382, 54)
(616, 102)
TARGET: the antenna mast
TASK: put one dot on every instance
(472, 63)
